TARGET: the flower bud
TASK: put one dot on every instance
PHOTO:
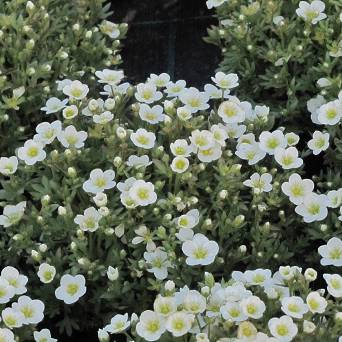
(104, 211)
(72, 172)
(100, 199)
(61, 210)
(117, 161)
(112, 273)
(45, 200)
(223, 194)
(308, 327)
(310, 274)
(102, 335)
(243, 249)
(169, 286)
(209, 279)
(43, 247)
(121, 133)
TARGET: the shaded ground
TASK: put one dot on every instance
(166, 36)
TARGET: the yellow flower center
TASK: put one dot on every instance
(32, 151)
(72, 289)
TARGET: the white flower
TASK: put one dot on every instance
(278, 19)
(159, 81)
(70, 137)
(144, 235)
(6, 291)
(103, 118)
(259, 276)
(70, 112)
(179, 164)
(111, 77)
(112, 273)
(283, 328)
(297, 188)
(32, 309)
(71, 288)
(12, 214)
(269, 141)
(32, 152)
(179, 323)
(331, 252)
(158, 261)
(220, 134)
(226, 81)
(253, 307)
(330, 113)
(12, 318)
(142, 193)
(54, 105)
(250, 152)
(234, 130)
(89, 221)
(323, 82)
(110, 29)
(165, 305)
(180, 148)
(147, 93)
(202, 139)
(259, 183)
(288, 158)
(117, 324)
(231, 111)
(311, 12)
(233, 311)
(210, 154)
(174, 89)
(184, 113)
(15, 279)
(94, 106)
(136, 161)
(200, 250)
(292, 139)
(150, 114)
(76, 90)
(319, 142)
(143, 138)
(194, 100)
(313, 105)
(99, 181)
(334, 282)
(216, 93)
(194, 302)
(335, 198)
(46, 273)
(316, 303)
(260, 112)
(188, 220)
(313, 208)
(214, 3)
(43, 335)
(294, 306)
(102, 335)
(6, 335)
(150, 326)
(62, 83)
(47, 132)
(8, 166)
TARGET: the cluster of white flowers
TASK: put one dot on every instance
(178, 132)
(239, 306)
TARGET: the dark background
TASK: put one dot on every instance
(163, 36)
(167, 36)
